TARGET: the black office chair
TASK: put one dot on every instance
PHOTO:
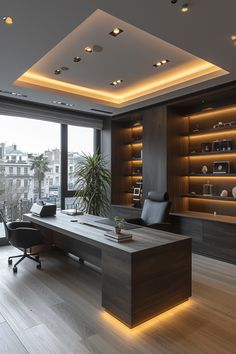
(22, 235)
(155, 213)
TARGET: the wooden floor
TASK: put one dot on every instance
(57, 310)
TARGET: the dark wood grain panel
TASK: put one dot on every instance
(154, 150)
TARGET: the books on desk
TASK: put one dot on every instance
(72, 212)
(122, 237)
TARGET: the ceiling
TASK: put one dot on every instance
(44, 38)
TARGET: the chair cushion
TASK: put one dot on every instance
(154, 212)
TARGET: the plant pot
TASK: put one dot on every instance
(117, 230)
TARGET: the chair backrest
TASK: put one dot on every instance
(156, 208)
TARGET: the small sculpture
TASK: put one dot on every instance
(224, 193)
(204, 169)
(234, 192)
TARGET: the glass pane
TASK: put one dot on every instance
(29, 164)
(80, 140)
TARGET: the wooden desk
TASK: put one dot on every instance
(140, 278)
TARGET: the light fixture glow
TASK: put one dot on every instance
(161, 62)
(116, 31)
(88, 49)
(184, 8)
(8, 20)
(117, 82)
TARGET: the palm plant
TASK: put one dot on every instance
(93, 180)
(40, 166)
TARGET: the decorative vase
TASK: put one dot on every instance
(234, 192)
(204, 169)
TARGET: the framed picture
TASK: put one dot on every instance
(222, 167)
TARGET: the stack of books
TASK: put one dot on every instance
(122, 237)
(72, 212)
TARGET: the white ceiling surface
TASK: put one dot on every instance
(39, 26)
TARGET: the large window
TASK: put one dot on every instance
(80, 141)
(28, 146)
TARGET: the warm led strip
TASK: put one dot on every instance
(220, 111)
(174, 78)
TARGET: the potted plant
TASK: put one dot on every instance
(93, 180)
(119, 224)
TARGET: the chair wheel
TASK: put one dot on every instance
(39, 266)
(14, 269)
(9, 261)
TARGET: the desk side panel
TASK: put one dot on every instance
(162, 279)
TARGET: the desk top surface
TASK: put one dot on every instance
(88, 230)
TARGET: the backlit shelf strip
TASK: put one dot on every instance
(214, 175)
(208, 197)
(212, 153)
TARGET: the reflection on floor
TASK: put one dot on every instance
(58, 310)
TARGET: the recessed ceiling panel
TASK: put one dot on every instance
(127, 59)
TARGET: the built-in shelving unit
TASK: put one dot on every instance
(127, 164)
(208, 141)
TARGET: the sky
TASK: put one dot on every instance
(37, 136)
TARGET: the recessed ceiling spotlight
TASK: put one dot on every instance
(161, 62)
(63, 103)
(76, 59)
(8, 20)
(88, 49)
(116, 31)
(184, 8)
(117, 82)
(233, 37)
(174, 1)
(57, 72)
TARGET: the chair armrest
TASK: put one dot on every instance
(18, 224)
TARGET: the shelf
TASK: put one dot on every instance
(213, 197)
(213, 175)
(206, 216)
(135, 142)
(211, 153)
(212, 131)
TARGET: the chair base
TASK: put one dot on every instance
(25, 255)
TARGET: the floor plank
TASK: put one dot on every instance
(58, 310)
(9, 343)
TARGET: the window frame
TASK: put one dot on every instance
(65, 192)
